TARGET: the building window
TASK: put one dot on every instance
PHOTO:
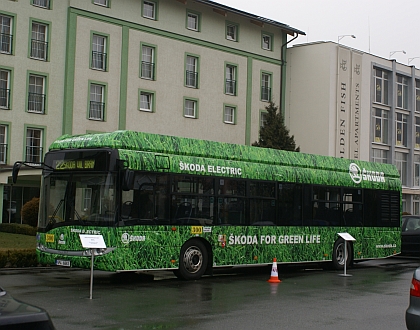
(34, 145)
(99, 52)
(230, 87)
(380, 156)
(39, 44)
(416, 204)
(3, 144)
(401, 164)
(380, 126)
(41, 3)
(381, 86)
(417, 125)
(6, 36)
(4, 89)
(266, 87)
(267, 41)
(402, 92)
(417, 95)
(401, 129)
(149, 9)
(104, 3)
(231, 32)
(191, 74)
(87, 198)
(190, 108)
(147, 62)
(263, 118)
(146, 101)
(97, 104)
(193, 21)
(229, 115)
(36, 95)
(416, 182)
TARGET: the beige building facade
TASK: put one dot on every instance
(178, 67)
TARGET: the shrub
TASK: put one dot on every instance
(18, 258)
(15, 228)
(29, 212)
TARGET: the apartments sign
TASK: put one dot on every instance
(349, 79)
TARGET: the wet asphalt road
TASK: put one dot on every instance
(374, 297)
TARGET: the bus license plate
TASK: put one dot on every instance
(65, 263)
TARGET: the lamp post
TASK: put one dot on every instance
(412, 58)
(345, 35)
(396, 51)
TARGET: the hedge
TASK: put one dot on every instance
(18, 258)
(16, 228)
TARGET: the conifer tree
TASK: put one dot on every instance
(274, 134)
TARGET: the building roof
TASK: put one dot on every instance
(257, 19)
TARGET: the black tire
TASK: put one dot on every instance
(338, 254)
(192, 260)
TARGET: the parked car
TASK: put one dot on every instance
(16, 315)
(412, 314)
(410, 235)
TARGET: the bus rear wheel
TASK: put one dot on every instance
(339, 256)
(193, 260)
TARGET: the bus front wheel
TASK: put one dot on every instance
(339, 256)
(193, 260)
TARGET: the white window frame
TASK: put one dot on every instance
(99, 44)
(147, 62)
(36, 95)
(34, 139)
(266, 83)
(97, 95)
(267, 41)
(191, 78)
(6, 34)
(192, 21)
(149, 9)
(4, 89)
(381, 86)
(146, 101)
(190, 108)
(41, 3)
(416, 169)
(402, 92)
(103, 3)
(417, 96)
(263, 118)
(401, 129)
(380, 125)
(379, 156)
(401, 164)
(39, 41)
(230, 83)
(229, 114)
(231, 32)
(3, 143)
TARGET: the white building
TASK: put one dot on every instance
(346, 103)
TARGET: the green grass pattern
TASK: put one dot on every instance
(162, 245)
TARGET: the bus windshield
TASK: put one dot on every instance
(78, 198)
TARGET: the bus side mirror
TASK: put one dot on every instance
(15, 171)
(128, 180)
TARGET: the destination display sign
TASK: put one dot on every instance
(83, 164)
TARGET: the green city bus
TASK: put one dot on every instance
(187, 205)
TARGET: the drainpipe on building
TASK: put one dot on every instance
(282, 80)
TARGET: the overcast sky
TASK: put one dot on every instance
(380, 26)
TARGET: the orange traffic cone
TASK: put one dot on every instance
(274, 278)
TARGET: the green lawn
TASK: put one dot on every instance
(10, 241)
